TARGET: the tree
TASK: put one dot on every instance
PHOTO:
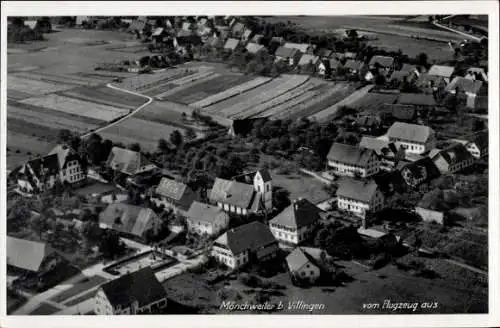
(176, 138)
(39, 224)
(135, 147)
(163, 146)
(110, 245)
(64, 135)
(422, 59)
(190, 134)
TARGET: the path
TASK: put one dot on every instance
(475, 38)
(316, 176)
(468, 267)
(109, 85)
(355, 96)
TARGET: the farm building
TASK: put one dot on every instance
(386, 63)
(429, 215)
(137, 292)
(347, 160)
(304, 263)
(247, 35)
(324, 53)
(418, 173)
(414, 138)
(26, 256)
(295, 223)
(128, 161)
(453, 159)
(476, 73)
(231, 44)
(387, 152)
(302, 47)
(62, 164)
(206, 219)
(291, 56)
(471, 88)
(442, 71)
(237, 29)
(354, 67)
(254, 48)
(173, 194)
(257, 38)
(307, 59)
(430, 83)
(476, 144)
(237, 246)
(328, 67)
(359, 197)
(130, 220)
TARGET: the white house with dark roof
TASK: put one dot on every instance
(471, 88)
(206, 219)
(302, 265)
(296, 222)
(173, 194)
(291, 56)
(137, 292)
(128, 161)
(416, 139)
(359, 197)
(251, 241)
(453, 159)
(347, 160)
(244, 194)
(476, 144)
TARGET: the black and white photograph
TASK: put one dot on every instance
(227, 164)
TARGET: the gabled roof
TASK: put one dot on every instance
(479, 138)
(233, 192)
(353, 64)
(362, 191)
(238, 28)
(410, 132)
(381, 147)
(303, 47)
(407, 68)
(384, 61)
(48, 164)
(137, 25)
(130, 219)
(128, 161)
(297, 259)
(455, 154)
(398, 76)
(141, 286)
(307, 59)
(349, 154)
(171, 189)
(231, 44)
(324, 53)
(417, 167)
(425, 79)
(251, 236)
(64, 153)
(300, 213)
(25, 254)
(204, 212)
(465, 85)
(417, 99)
(439, 70)
(254, 47)
(247, 33)
(285, 52)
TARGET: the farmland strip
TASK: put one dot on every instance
(186, 85)
(288, 104)
(231, 92)
(31, 129)
(33, 86)
(17, 95)
(96, 100)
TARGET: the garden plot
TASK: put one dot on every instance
(288, 104)
(231, 92)
(33, 87)
(134, 130)
(77, 107)
(203, 89)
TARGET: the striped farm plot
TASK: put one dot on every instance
(106, 96)
(77, 107)
(144, 82)
(290, 103)
(231, 92)
(33, 87)
(187, 81)
(60, 79)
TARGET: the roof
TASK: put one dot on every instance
(465, 85)
(64, 153)
(455, 154)
(128, 161)
(247, 33)
(251, 236)
(416, 168)
(324, 53)
(238, 28)
(439, 70)
(398, 75)
(254, 47)
(233, 192)
(402, 112)
(307, 59)
(410, 132)
(334, 63)
(203, 212)
(425, 79)
(479, 138)
(300, 213)
(26, 254)
(171, 189)
(362, 191)
(407, 68)
(285, 52)
(130, 219)
(417, 99)
(266, 176)
(371, 233)
(303, 47)
(231, 44)
(49, 164)
(297, 259)
(384, 61)
(141, 286)
(353, 64)
(158, 31)
(349, 154)
(381, 147)
(137, 25)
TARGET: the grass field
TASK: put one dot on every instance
(374, 101)
(24, 144)
(33, 87)
(106, 96)
(301, 186)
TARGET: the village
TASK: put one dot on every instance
(201, 160)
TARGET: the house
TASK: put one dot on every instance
(296, 222)
(277, 40)
(173, 194)
(291, 56)
(385, 63)
(387, 152)
(328, 67)
(359, 197)
(417, 100)
(137, 26)
(251, 196)
(231, 44)
(324, 53)
(302, 47)
(62, 164)
(352, 161)
(408, 73)
(471, 88)
(82, 20)
(476, 73)
(206, 219)
(350, 55)
(402, 113)
(303, 263)
(237, 29)
(159, 34)
(137, 292)
(430, 83)
(247, 35)
(418, 173)
(249, 242)
(257, 38)
(187, 26)
(453, 159)
(254, 48)
(129, 162)
(354, 67)
(476, 144)
(26, 256)
(416, 139)
(307, 59)
(130, 220)
(442, 71)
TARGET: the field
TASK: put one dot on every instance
(105, 96)
(301, 186)
(27, 146)
(374, 101)
(33, 87)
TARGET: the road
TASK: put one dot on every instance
(468, 267)
(355, 96)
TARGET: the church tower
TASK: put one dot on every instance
(262, 183)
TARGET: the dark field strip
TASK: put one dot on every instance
(160, 85)
(208, 88)
(48, 111)
(31, 129)
(99, 101)
(109, 97)
(17, 95)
